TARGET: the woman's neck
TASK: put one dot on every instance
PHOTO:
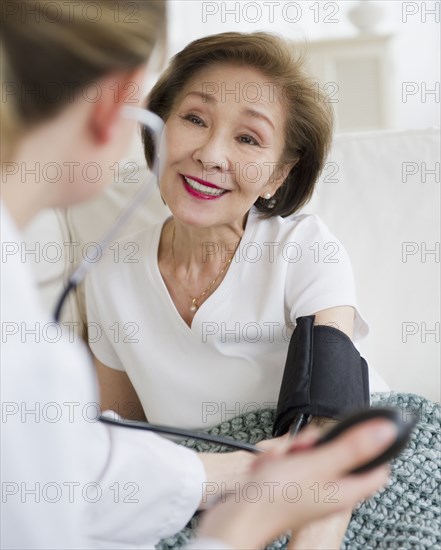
(196, 249)
(194, 261)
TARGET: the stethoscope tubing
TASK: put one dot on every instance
(182, 433)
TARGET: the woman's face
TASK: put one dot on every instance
(224, 138)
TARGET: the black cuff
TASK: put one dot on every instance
(324, 375)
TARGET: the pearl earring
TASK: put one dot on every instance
(267, 196)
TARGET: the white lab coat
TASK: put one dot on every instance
(67, 480)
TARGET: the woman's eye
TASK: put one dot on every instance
(248, 140)
(194, 119)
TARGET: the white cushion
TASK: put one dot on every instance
(375, 206)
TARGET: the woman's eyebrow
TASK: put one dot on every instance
(257, 114)
(207, 98)
(248, 111)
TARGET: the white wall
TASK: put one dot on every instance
(415, 50)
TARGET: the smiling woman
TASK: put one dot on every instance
(224, 279)
(234, 266)
(222, 150)
(281, 84)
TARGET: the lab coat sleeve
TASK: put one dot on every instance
(150, 487)
(68, 480)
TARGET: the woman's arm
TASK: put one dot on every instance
(327, 533)
(243, 523)
(228, 471)
(341, 317)
(117, 393)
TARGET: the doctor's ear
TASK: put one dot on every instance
(112, 92)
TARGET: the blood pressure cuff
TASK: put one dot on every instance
(324, 375)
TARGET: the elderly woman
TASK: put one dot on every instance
(213, 300)
(211, 304)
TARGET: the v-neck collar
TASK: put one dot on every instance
(221, 293)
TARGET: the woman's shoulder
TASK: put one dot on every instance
(123, 261)
(131, 247)
(306, 241)
(143, 238)
(296, 227)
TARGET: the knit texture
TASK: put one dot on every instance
(405, 515)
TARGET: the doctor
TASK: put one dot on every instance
(68, 481)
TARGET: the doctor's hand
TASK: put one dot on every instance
(224, 470)
(287, 488)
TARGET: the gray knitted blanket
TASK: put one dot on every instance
(405, 515)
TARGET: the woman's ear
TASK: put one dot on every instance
(111, 94)
(277, 178)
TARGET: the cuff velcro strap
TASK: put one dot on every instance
(324, 375)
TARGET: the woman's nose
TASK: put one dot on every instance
(213, 154)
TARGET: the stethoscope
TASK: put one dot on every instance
(155, 124)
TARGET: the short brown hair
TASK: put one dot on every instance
(309, 124)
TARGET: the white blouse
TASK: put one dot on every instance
(231, 360)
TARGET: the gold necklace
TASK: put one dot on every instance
(194, 301)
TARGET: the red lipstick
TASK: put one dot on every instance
(203, 182)
(197, 193)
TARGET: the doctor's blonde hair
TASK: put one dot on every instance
(51, 50)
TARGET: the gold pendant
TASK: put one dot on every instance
(193, 306)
